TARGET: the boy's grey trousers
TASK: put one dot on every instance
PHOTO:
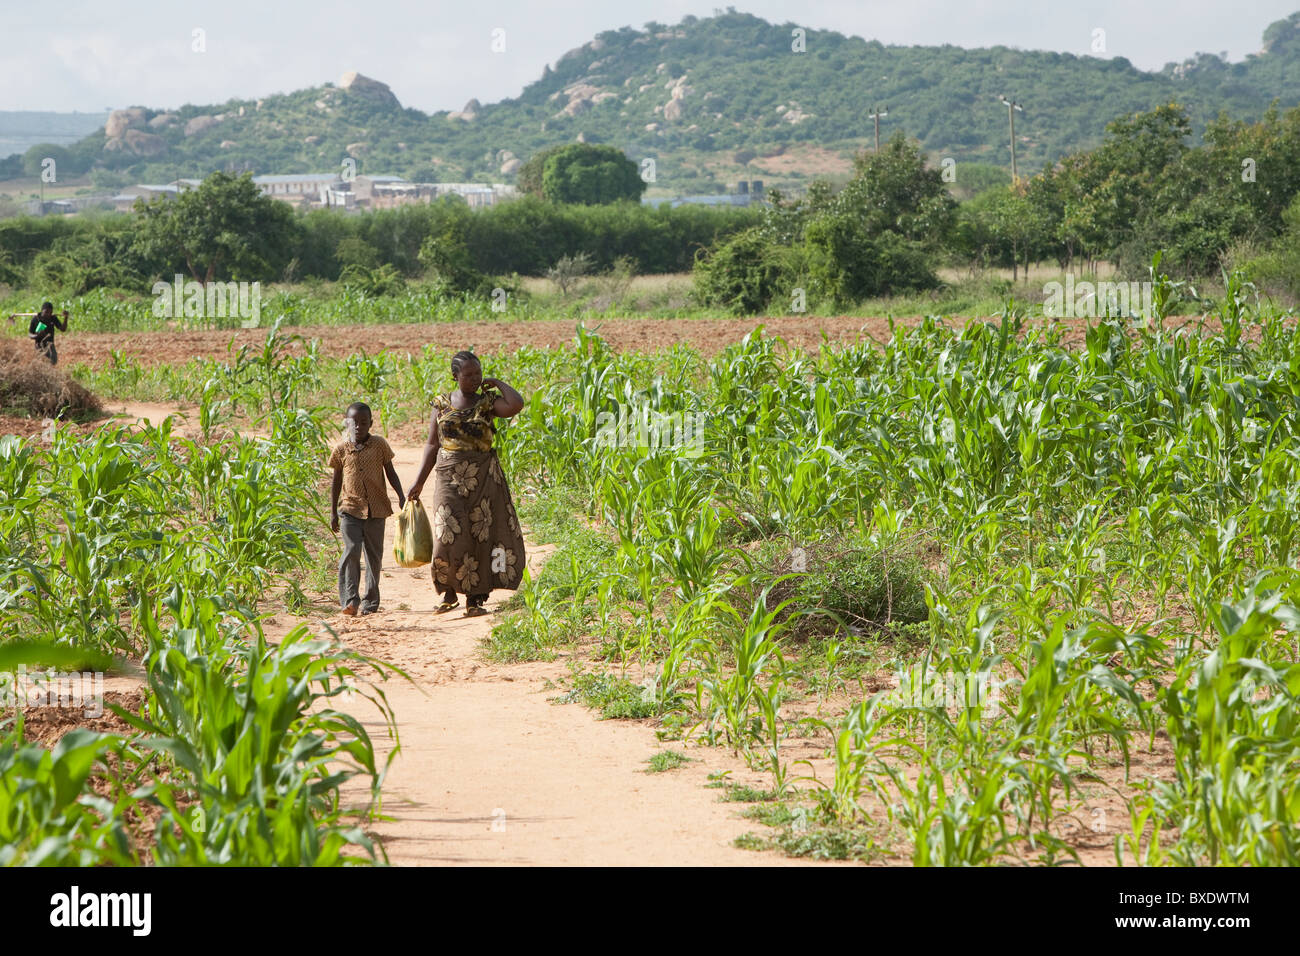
(358, 533)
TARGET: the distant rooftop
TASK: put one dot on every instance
(723, 199)
(297, 178)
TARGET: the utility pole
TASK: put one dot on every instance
(1011, 116)
(876, 113)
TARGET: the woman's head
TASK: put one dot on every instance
(467, 371)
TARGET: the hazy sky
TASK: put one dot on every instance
(97, 54)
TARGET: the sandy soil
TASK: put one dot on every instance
(492, 772)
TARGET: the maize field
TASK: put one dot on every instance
(983, 573)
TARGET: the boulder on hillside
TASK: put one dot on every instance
(356, 150)
(163, 120)
(511, 166)
(119, 121)
(144, 144)
(199, 123)
(469, 113)
(370, 90)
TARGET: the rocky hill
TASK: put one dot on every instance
(711, 100)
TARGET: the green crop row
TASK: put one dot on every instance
(1103, 529)
(137, 542)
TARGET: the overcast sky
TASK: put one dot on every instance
(95, 54)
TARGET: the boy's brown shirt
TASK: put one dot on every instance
(363, 494)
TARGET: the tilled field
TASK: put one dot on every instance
(707, 335)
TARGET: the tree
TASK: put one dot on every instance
(874, 236)
(446, 257)
(530, 173)
(226, 228)
(590, 175)
(1013, 224)
(355, 251)
(34, 157)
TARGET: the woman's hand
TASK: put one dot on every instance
(510, 403)
(413, 493)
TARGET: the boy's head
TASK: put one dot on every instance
(47, 308)
(357, 422)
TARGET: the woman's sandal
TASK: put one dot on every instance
(446, 606)
(475, 610)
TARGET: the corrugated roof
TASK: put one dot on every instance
(297, 177)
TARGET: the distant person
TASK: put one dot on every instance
(41, 329)
(359, 505)
(477, 542)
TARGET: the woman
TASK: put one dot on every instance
(477, 541)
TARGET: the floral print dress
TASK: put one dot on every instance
(477, 542)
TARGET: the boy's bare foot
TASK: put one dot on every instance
(350, 610)
(368, 610)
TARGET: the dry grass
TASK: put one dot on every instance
(31, 386)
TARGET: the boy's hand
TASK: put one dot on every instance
(401, 501)
(334, 523)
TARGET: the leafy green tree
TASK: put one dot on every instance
(590, 175)
(226, 228)
(1014, 225)
(874, 237)
(34, 157)
(446, 257)
(355, 251)
(530, 173)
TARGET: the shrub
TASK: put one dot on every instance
(746, 273)
(845, 265)
(846, 583)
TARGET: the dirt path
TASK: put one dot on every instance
(491, 771)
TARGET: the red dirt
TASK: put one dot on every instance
(707, 335)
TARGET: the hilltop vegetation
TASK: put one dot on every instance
(711, 100)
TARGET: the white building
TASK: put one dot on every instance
(296, 185)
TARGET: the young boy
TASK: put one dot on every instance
(41, 329)
(359, 504)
